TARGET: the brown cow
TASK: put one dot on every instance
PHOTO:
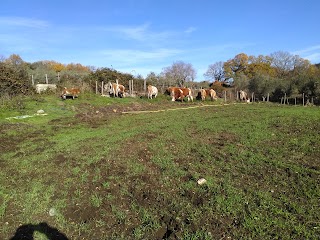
(121, 90)
(212, 94)
(176, 93)
(203, 94)
(73, 92)
(117, 90)
(187, 93)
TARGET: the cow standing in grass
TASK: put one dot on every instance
(187, 93)
(45, 87)
(176, 93)
(203, 94)
(115, 89)
(72, 92)
(243, 96)
(152, 91)
(212, 94)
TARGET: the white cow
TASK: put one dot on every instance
(203, 94)
(244, 96)
(152, 91)
(44, 87)
(212, 94)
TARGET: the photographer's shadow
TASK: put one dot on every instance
(25, 232)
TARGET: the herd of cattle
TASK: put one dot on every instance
(176, 93)
(118, 90)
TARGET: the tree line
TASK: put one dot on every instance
(278, 74)
(275, 75)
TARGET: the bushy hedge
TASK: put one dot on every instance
(13, 80)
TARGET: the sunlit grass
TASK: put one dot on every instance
(138, 173)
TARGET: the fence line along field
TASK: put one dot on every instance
(84, 170)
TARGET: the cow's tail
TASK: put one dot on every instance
(172, 95)
(190, 95)
(181, 94)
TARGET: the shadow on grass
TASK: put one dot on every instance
(25, 232)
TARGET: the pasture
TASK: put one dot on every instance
(86, 170)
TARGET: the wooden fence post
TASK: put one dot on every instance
(225, 96)
(302, 99)
(96, 87)
(46, 78)
(132, 86)
(129, 87)
(102, 87)
(268, 98)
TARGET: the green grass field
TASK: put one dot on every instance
(91, 170)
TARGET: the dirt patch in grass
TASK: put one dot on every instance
(130, 194)
(9, 142)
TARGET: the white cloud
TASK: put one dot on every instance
(190, 30)
(314, 58)
(126, 60)
(307, 50)
(311, 53)
(134, 56)
(141, 33)
(23, 22)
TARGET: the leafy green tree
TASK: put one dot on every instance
(15, 61)
(241, 81)
(40, 69)
(236, 66)
(262, 85)
(308, 81)
(260, 65)
(153, 79)
(13, 80)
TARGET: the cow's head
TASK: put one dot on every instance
(168, 91)
(108, 87)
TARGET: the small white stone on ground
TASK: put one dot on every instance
(40, 111)
(201, 181)
(52, 212)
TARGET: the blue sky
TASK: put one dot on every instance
(140, 36)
